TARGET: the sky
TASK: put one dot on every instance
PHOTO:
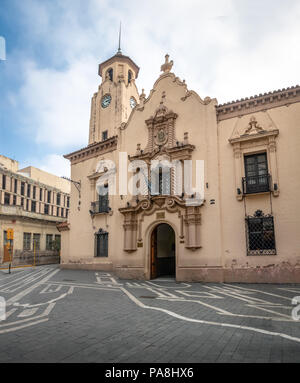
(224, 49)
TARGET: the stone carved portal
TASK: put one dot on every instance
(162, 143)
(189, 220)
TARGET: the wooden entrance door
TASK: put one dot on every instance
(153, 254)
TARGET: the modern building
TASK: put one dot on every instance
(244, 229)
(32, 203)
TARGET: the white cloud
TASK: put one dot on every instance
(222, 48)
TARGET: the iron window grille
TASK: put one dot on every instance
(49, 241)
(27, 241)
(102, 205)
(36, 241)
(260, 234)
(101, 243)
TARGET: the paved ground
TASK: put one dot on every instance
(58, 315)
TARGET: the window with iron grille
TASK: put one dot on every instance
(57, 241)
(27, 241)
(260, 234)
(49, 241)
(161, 181)
(257, 179)
(102, 205)
(101, 243)
(36, 241)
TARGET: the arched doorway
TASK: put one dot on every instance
(163, 261)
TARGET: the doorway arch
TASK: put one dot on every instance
(163, 250)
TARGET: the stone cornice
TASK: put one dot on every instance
(258, 103)
(251, 137)
(93, 150)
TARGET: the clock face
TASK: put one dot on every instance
(132, 102)
(106, 99)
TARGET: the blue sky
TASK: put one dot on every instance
(225, 49)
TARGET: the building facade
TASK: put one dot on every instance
(32, 203)
(246, 226)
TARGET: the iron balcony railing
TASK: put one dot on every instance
(100, 206)
(257, 184)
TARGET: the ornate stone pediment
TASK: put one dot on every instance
(162, 137)
(253, 129)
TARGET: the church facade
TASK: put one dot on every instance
(241, 224)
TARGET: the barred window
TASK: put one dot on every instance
(57, 241)
(49, 241)
(101, 243)
(36, 241)
(260, 234)
(27, 241)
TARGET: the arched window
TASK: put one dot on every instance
(129, 76)
(110, 74)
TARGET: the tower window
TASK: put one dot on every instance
(129, 76)
(104, 135)
(110, 74)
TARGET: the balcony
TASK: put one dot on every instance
(257, 184)
(100, 206)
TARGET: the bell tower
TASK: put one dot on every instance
(116, 97)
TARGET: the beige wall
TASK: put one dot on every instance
(222, 254)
